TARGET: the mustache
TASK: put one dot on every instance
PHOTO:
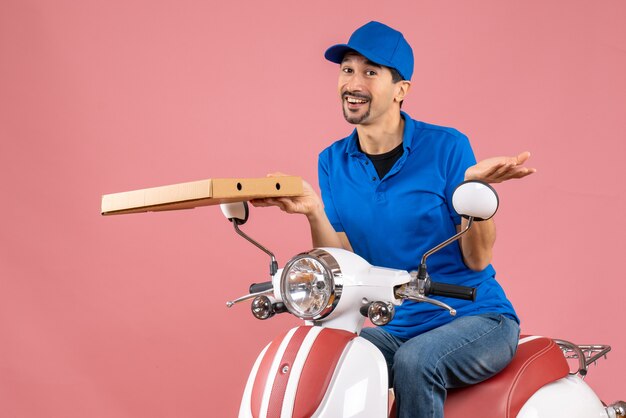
(356, 94)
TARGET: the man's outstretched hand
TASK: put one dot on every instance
(307, 204)
(499, 169)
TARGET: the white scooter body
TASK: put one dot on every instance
(355, 384)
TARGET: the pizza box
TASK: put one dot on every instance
(199, 193)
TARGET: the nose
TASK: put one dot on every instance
(353, 82)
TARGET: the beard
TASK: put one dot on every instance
(355, 119)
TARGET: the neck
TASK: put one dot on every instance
(381, 137)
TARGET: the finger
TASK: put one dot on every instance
(522, 157)
(493, 169)
(285, 200)
(270, 202)
(496, 177)
(288, 205)
(259, 203)
(518, 174)
(513, 174)
(504, 170)
(524, 173)
(279, 204)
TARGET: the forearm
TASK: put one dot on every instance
(311, 205)
(322, 232)
(477, 244)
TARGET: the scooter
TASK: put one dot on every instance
(324, 369)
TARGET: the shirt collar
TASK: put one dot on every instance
(407, 137)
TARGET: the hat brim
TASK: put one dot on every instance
(336, 53)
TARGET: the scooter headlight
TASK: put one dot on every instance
(311, 284)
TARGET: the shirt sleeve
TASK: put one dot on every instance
(323, 174)
(461, 157)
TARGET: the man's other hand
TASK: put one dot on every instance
(499, 169)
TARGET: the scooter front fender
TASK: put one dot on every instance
(317, 372)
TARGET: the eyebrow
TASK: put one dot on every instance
(367, 62)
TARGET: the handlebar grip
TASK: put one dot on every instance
(452, 291)
(261, 287)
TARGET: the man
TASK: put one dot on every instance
(386, 193)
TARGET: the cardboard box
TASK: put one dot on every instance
(199, 193)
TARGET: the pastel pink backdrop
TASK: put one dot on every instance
(125, 316)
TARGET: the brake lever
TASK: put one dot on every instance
(230, 303)
(412, 291)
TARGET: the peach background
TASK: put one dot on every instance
(125, 316)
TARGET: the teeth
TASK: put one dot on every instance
(356, 101)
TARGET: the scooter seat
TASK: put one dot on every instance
(538, 361)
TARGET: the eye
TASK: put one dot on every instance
(370, 73)
(347, 70)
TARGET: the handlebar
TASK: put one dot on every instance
(452, 291)
(261, 287)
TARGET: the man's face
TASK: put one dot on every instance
(366, 89)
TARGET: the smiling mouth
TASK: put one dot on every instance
(355, 102)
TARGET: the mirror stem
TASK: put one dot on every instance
(273, 263)
(470, 221)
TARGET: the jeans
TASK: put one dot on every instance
(466, 351)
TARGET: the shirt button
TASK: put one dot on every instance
(374, 179)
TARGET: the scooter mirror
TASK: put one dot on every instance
(236, 212)
(475, 199)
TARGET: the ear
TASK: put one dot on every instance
(402, 89)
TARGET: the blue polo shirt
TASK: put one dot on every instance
(391, 222)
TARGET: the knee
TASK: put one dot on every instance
(370, 334)
(413, 360)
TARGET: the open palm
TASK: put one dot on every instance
(499, 169)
